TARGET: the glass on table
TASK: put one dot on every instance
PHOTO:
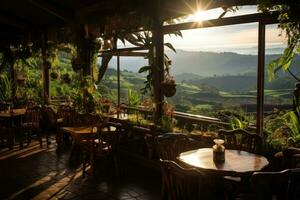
(219, 150)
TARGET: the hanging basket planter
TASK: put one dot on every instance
(168, 89)
(66, 78)
(54, 75)
(168, 86)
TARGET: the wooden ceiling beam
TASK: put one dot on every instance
(123, 50)
(127, 54)
(251, 18)
(52, 9)
(12, 22)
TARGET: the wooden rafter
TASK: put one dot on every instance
(251, 18)
(127, 54)
(51, 9)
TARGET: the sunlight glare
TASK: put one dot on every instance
(201, 15)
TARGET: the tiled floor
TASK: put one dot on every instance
(38, 173)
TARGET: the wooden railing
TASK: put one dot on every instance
(183, 119)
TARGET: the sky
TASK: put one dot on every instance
(241, 38)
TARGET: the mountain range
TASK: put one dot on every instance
(205, 64)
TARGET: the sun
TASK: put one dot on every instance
(202, 15)
(199, 16)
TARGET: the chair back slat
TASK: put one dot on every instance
(68, 114)
(240, 139)
(33, 115)
(170, 145)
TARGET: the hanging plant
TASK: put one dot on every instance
(54, 75)
(168, 84)
(66, 78)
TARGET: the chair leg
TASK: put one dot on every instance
(39, 135)
(116, 165)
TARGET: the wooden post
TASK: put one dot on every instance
(45, 71)
(260, 78)
(119, 87)
(158, 65)
(13, 80)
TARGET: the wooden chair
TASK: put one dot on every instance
(291, 158)
(240, 139)
(88, 119)
(184, 183)
(49, 121)
(103, 145)
(5, 136)
(283, 185)
(66, 116)
(168, 147)
(31, 124)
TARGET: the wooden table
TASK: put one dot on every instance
(237, 163)
(14, 117)
(13, 113)
(79, 133)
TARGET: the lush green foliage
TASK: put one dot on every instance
(5, 87)
(289, 22)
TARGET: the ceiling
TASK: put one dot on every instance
(19, 18)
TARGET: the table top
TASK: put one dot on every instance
(236, 163)
(14, 113)
(78, 130)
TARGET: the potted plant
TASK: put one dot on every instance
(66, 78)
(54, 75)
(168, 85)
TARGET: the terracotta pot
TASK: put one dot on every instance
(168, 89)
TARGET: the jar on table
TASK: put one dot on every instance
(218, 150)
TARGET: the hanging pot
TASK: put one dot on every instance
(66, 78)
(168, 89)
(54, 75)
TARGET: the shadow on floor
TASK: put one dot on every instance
(38, 173)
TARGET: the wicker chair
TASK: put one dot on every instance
(240, 139)
(283, 185)
(104, 145)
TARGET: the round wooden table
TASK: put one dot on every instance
(237, 163)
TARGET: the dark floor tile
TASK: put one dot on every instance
(34, 173)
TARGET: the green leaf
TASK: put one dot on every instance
(144, 69)
(170, 46)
